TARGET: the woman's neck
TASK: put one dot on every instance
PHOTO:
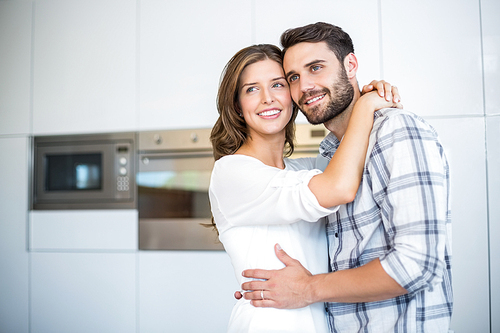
(268, 151)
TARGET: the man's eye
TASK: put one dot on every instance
(293, 78)
(315, 68)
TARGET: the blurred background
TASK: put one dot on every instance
(88, 66)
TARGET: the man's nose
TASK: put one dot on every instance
(306, 84)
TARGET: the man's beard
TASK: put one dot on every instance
(343, 93)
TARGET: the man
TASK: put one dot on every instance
(390, 249)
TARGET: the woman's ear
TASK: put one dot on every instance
(351, 65)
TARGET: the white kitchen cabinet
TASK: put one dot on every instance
(84, 77)
(83, 292)
(14, 257)
(463, 141)
(184, 45)
(432, 52)
(490, 10)
(185, 291)
(493, 150)
(15, 66)
(83, 230)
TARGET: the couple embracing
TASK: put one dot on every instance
(355, 240)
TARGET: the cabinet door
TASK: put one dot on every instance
(84, 66)
(83, 292)
(15, 66)
(13, 235)
(184, 46)
(493, 149)
(185, 291)
(469, 220)
(435, 46)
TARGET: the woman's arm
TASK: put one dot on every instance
(339, 182)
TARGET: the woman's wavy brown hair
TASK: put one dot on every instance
(230, 131)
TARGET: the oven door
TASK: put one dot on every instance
(174, 208)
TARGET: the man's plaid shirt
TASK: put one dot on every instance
(401, 215)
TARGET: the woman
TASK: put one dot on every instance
(258, 198)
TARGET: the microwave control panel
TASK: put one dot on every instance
(123, 163)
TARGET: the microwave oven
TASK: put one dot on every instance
(90, 171)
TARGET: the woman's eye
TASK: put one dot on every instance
(251, 89)
(278, 85)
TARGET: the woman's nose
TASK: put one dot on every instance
(267, 97)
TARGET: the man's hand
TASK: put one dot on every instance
(287, 288)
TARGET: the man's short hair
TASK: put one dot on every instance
(337, 39)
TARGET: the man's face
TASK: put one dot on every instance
(318, 82)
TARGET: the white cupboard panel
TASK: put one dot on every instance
(463, 141)
(432, 52)
(272, 18)
(184, 45)
(185, 291)
(15, 66)
(490, 11)
(84, 66)
(83, 230)
(14, 258)
(493, 151)
(83, 292)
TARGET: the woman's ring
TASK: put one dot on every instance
(262, 294)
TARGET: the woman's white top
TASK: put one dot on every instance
(256, 206)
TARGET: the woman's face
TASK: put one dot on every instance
(264, 98)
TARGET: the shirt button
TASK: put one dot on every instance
(336, 235)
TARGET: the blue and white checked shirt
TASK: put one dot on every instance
(401, 215)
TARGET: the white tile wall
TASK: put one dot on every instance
(15, 68)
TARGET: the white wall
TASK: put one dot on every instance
(77, 66)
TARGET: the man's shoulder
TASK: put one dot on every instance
(391, 119)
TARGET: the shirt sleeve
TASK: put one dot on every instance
(410, 180)
(247, 192)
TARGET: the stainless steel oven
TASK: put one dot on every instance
(84, 171)
(172, 180)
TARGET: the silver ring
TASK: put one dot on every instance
(262, 294)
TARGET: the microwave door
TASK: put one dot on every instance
(70, 173)
(173, 202)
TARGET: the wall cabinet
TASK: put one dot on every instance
(469, 220)
(14, 257)
(83, 292)
(15, 66)
(432, 52)
(84, 66)
(185, 291)
(184, 45)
